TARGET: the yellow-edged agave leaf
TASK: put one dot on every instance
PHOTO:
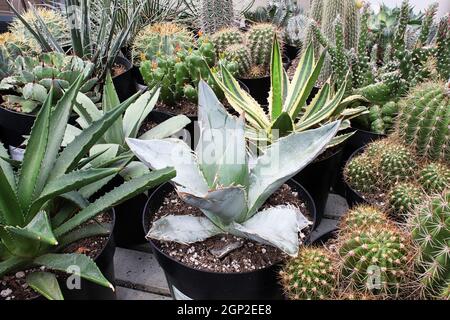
(46, 284)
(318, 102)
(277, 78)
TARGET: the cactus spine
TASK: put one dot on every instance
(226, 37)
(361, 173)
(424, 121)
(241, 55)
(216, 15)
(362, 217)
(396, 163)
(435, 177)
(309, 276)
(431, 233)
(259, 40)
(442, 52)
(404, 196)
(361, 73)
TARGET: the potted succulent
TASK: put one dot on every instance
(48, 222)
(289, 112)
(223, 189)
(134, 124)
(25, 90)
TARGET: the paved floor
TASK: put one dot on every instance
(139, 277)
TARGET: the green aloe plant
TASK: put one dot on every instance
(112, 144)
(288, 111)
(45, 203)
(226, 184)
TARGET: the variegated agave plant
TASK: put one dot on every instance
(226, 184)
(288, 111)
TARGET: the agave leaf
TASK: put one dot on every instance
(46, 284)
(317, 103)
(45, 33)
(6, 167)
(11, 264)
(90, 230)
(87, 111)
(86, 267)
(183, 229)
(277, 81)
(134, 169)
(70, 134)
(122, 193)
(115, 132)
(108, 151)
(166, 128)
(337, 140)
(137, 112)
(222, 206)
(278, 164)
(10, 210)
(159, 154)
(277, 226)
(222, 148)
(283, 124)
(38, 229)
(75, 198)
(34, 91)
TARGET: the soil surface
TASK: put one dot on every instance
(14, 287)
(247, 255)
(185, 107)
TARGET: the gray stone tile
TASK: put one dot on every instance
(336, 206)
(130, 294)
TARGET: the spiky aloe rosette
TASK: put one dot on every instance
(424, 121)
(430, 227)
(219, 181)
(310, 276)
(374, 260)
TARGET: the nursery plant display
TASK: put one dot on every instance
(45, 205)
(430, 229)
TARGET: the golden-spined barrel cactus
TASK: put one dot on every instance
(424, 121)
(54, 20)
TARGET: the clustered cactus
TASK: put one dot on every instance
(161, 39)
(424, 121)
(251, 50)
(382, 118)
(361, 173)
(404, 196)
(430, 226)
(216, 15)
(310, 276)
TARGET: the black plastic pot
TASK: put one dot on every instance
(318, 177)
(258, 88)
(291, 52)
(188, 283)
(360, 139)
(14, 125)
(125, 83)
(352, 196)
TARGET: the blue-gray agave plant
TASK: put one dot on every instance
(227, 184)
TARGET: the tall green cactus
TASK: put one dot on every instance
(216, 15)
(259, 40)
(315, 13)
(431, 233)
(435, 177)
(424, 121)
(362, 74)
(442, 52)
(240, 54)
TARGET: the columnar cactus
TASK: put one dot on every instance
(362, 217)
(404, 196)
(240, 54)
(396, 163)
(315, 14)
(260, 40)
(442, 52)
(226, 37)
(362, 74)
(431, 233)
(310, 276)
(375, 260)
(361, 173)
(435, 177)
(160, 39)
(216, 15)
(424, 121)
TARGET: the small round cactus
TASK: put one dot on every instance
(435, 177)
(404, 196)
(362, 217)
(375, 260)
(309, 276)
(361, 173)
(160, 39)
(259, 40)
(430, 227)
(424, 121)
(240, 54)
(226, 37)
(397, 163)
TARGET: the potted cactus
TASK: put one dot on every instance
(25, 90)
(134, 123)
(223, 189)
(49, 224)
(290, 112)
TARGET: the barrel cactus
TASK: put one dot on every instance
(240, 54)
(435, 177)
(430, 227)
(160, 39)
(216, 15)
(361, 173)
(55, 22)
(396, 163)
(310, 276)
(375, 260)
(424, 121)
(259, 40)
(362, 217)
(226, 37)
(404, 196)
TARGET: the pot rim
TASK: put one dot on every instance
(309, 202)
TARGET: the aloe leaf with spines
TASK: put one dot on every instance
(42, 210)
(288, 111)
(224, 186)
